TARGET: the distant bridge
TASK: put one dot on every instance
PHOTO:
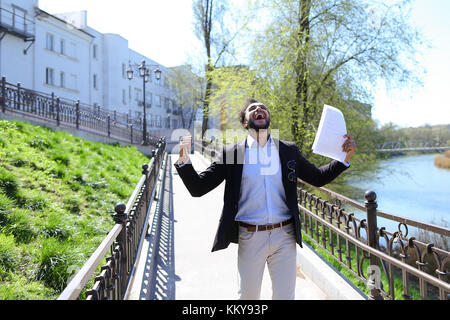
(415, 145)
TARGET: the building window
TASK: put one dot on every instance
(94, 81)
(148, 99)
(124, 96)
(62, 80)
(49, 42)
(49, 76)
(158, 121)
(73, 50)
(124, 71)
(158, 101)
(94, 51)
(62, 46)
(136, 94)
(73, 82)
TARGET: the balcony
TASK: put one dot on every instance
(147, 105)
(17, 24)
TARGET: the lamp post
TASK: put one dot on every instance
(144, 73)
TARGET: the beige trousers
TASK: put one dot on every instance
(277, 248)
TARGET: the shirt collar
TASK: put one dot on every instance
(252, 143)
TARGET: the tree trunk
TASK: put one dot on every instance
(208, 70)
(301, 108)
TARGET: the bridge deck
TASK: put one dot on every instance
(185, 268)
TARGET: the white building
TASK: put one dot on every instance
(60, 53)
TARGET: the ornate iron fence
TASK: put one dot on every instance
(121, 247)
(70, 113)
(403, 263)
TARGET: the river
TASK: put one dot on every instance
(411, 187)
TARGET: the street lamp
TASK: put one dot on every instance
(144, 73)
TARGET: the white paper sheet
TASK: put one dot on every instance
(330, 134)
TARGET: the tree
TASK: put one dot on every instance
(188, 93)
(316, 51)
(212, 27)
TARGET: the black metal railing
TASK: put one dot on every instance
(398, 265)
(71, 113)
(121, 247)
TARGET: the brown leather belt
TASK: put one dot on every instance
(253, 228)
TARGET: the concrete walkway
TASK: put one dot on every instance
(185, 268)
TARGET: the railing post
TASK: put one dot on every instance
(77, 111)
(131, 133)
(121, 217)
(3, 101)
(52, 106)
(372, 238)
(57, 111)
(109, 125)
(18, 95)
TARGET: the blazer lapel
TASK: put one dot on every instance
(239, 157)
(283, 151)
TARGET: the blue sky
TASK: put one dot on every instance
(162, 30)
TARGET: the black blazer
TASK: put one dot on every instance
(228, 166)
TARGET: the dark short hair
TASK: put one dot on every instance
(244, 107)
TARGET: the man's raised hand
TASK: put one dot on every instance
(185, 148)
(349, 146)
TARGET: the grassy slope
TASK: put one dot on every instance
(57, 196)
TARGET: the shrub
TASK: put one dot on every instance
(20, 226)
(73, 205)
(24, 289)
(8, 183)
(61, 158)
(6, 205)
(36, 202)
(54, 261)
(58, 172)
(443, 161)
(55, 228)
(8, 255)
(39, 143)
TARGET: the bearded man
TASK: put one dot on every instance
(260, 210)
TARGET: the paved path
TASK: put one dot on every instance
(186, 269)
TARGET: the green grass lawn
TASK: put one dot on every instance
(57, 198)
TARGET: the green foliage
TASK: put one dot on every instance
(6, 206)
(8, 183)
(8, 253)
(57, 195)
(21, 288)
(20, 226)
(54, 260)
(331, 57)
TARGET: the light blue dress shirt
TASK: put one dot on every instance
(262, 199)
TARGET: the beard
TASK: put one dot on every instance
(257, 127)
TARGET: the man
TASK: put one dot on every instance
(260, 210)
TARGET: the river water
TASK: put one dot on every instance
(411, 187)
